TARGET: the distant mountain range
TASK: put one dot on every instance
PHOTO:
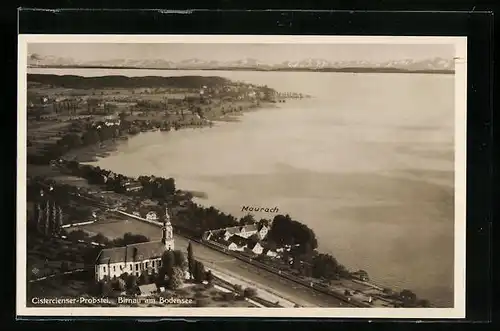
(312, 64)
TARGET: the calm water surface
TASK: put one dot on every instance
(367, 163)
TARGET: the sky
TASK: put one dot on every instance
(267, 53)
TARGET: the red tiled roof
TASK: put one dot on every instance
(131, 253)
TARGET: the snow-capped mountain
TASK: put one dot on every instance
(429, 64)
(38, 60)
(35, 60)
(307, 64)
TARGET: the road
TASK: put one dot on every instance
(216, 260)
(263, 279)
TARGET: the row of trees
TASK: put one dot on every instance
(327, 267)
(157, 187)
(286, 231)
(199, 219)
(74, 140)
(127, 239)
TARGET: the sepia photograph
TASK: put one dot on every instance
(272, 176)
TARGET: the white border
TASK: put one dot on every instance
(458, 311)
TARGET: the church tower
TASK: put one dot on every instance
(167, 233)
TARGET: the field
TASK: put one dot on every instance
(113, 228)
(54, 256)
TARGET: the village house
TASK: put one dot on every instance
(229, 232)
(247, 231)
(131, 186)
(135, 258)
(270, 253)
(256, 248)
(112, 122)
(237, 243)
(151, 216)
(360, 275)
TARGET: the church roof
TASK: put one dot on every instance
(131, 253)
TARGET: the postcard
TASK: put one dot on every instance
(249, 176)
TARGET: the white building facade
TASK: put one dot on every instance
(136, 258)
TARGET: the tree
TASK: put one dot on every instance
(53, 221)
(144, 278)
(176, 279)
(119, 284)
(238, 288)
(199, 272)
(105, 288)
(70, 141)
(179, 259)
(100, 239)
(167, 267)
(190, 259)
(46, 226)
(249, 292)
(388, 291)
(129, 239)
(60, 218)
(285, 231)
(39, 218)
(247, 219)
(264, 222)
(64, 266)
(209, 277)
(325, 266)
(77, 235)
(407, 296)
(253, 239)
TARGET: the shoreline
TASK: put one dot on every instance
(93, 153)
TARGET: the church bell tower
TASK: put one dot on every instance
(167, 232)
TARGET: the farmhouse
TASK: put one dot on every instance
(269, 252)
(151, 216)
(229, 232)
(247, 230)
(135, 258)
(256, 248)
(262, 231)
(237, 243)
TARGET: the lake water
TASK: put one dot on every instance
(367, 163)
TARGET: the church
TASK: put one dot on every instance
(136, 258)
